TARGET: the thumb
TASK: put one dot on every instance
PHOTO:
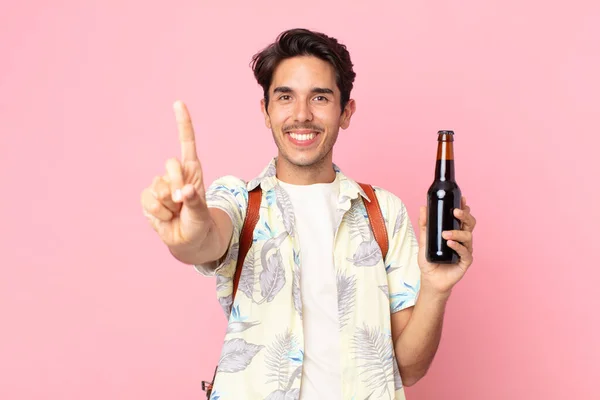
(193, 200)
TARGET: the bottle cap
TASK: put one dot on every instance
(446, 132)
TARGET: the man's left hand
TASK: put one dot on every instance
(441, 278)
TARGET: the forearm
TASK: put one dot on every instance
(205, 250)
(418, 343)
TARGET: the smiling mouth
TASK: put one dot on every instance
(302, 137)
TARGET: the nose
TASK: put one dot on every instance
(302, 112)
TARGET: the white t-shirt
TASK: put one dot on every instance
(316, 221)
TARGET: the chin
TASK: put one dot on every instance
(304, 160)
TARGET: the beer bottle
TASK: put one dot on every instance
(443, 197)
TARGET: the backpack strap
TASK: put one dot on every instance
(376, 219)
(252, 215)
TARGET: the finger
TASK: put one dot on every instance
(161, 190)
(195, 202)
(466, 258)
(463, 202)
(152, 207)
(463, 237)
(186, 132)
(459, 236)
(175, 177)
(467, 219)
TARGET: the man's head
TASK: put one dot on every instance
(306, 78)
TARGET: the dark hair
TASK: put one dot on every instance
(303, 42)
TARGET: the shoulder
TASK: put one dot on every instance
(227, 190)
(228, 182)
(388, 201)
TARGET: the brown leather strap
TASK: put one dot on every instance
(252, 215)
(376, 219)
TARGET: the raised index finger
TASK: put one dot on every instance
(187, 137)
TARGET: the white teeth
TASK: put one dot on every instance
(302, 137)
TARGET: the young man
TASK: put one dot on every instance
(318, 313)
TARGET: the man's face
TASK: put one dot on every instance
(304, 111)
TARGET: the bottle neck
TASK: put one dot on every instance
(444, 167)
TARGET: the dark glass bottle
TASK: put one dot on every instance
(443, 197)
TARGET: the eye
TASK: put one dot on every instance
(284, 97)
(321, 98)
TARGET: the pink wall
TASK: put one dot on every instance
(93, 307)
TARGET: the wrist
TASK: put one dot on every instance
(432, 293)
(194, 251)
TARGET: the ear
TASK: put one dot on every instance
(347, 114)
(265, 113)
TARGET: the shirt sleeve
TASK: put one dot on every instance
(229, 194)
(401, 263)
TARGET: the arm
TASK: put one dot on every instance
(416, 332)
(212, 247)
(196, 225)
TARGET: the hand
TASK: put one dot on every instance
(175, 203)
(441, 278)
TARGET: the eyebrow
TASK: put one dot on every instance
(286, 89)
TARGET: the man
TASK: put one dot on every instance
(318, 312)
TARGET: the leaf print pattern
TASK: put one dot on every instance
(296, 286)
(368, 254)
(263, 233)
(389, 268)
(295, 374)
(293, 394)
(246, 284)
(270, 244)
(222, 282)
(385, 290)
(271, 197)
(225, 302)
(232, 254)
(216, 197)
(238, 323)
(400, 299)
(413, 239)
(240, 326)
(271, 282)
(278, 359)
(271, 170)
(346, 287)
(237, 354)
(397, 379)
(373, 351)
(272, 278)
(284, 204)
(399, 221)
(359, 226)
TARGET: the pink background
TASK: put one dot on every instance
(92, 306)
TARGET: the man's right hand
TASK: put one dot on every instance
(175, 203)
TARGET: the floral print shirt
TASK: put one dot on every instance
(263, 350)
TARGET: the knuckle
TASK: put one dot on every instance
(156, 182)
(164, 194)
(171, 163)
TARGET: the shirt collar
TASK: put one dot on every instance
(349, 189)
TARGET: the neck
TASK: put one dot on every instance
(321, 172)
(444, 167)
